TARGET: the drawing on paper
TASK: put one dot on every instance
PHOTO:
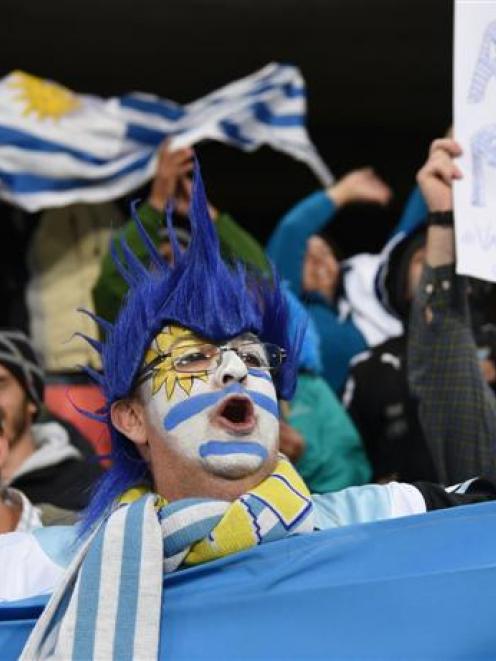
(483, 148)
(485, 68)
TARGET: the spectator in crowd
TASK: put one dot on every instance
(64, 257)
(191, 403)
(377, 395)
(387, 417)
(171, 181)
(16, 512)
(332, 457)
(340, 298)
(457, 407)
(41, 461)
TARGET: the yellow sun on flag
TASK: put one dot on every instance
(165, 374)
(42, 97)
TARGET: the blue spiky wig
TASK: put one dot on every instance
(200, 291)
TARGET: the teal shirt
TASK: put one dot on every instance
(340, 339)
(334, 456)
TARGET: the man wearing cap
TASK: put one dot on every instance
(17, 513)
(41, 462)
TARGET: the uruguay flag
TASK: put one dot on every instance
(58, 147)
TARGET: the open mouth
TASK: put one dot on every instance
(236, 414)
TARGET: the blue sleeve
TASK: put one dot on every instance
(414, 213)
(353, 505)
(287, 245)
(371, 502)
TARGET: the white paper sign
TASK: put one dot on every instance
(475, 130)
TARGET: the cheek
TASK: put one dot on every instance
(183, 438)
(267, 410)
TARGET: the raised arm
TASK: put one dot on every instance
(414, 213)
(456, 407)
(288, 243)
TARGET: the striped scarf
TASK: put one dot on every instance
(109, 603)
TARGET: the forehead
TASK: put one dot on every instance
(5, 374)
(317, 246)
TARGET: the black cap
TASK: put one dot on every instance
(393, 289)
(18, 356)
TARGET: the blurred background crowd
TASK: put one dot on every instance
(350, 255)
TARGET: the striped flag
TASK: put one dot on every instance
(58, 147)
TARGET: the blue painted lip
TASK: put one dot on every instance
(232, 447)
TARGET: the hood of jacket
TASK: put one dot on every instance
(52, 447)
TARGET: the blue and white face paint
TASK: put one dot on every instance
(226, 419)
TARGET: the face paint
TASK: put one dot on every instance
(226, 419)
(166, 342)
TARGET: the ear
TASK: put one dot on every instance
(32, 409)
(127, 416)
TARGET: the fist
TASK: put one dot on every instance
(362, 185)
(171, 167)
(436, 176)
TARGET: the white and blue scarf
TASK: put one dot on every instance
(109, 603)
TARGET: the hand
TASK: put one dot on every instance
(171, 166)
(360, 186)
(182, 199)
(436, 176)
(291, 442)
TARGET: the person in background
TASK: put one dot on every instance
(171, 181)
(340, 297)
(17, 513)
(333, 456)
(41, 462)
(387, 417)
(457, 407)
(63, 258)
(376, 394)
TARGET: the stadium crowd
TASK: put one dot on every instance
(383, 366)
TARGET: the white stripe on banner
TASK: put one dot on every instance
(64, 165)
(58, 147)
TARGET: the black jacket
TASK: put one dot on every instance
(378, 399)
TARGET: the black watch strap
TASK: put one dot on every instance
(440, 218)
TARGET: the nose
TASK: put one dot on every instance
(231, 368)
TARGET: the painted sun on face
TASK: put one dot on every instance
(172, 340)
(42, 97)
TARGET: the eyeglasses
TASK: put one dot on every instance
(193, 358)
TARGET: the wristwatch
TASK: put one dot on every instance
(440, 218)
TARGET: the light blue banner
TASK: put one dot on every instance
(421, 587)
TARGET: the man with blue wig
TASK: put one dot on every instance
(192, 371)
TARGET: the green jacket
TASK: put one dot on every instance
(110, 288)
(334, 457)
